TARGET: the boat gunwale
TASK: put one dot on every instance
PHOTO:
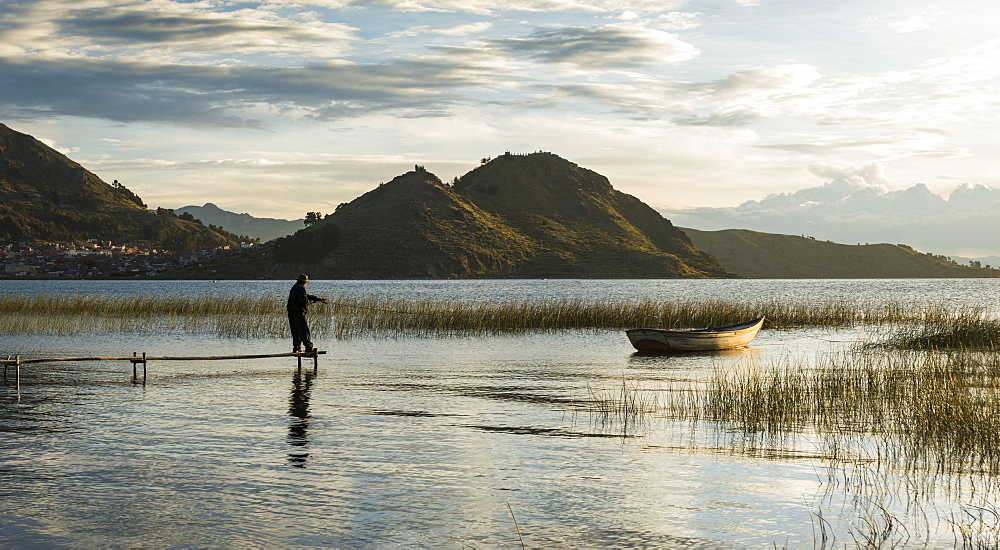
(728, 330)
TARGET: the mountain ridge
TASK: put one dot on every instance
(515, 216)
(46, 196)
(534, 215)
(758, 255)
(265, 229)
(923, 264)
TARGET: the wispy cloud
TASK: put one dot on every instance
(487, 6)
(604, 47)
(231, 96)
(125, 145)
(913, 23)
(166, 30)
(456, 30)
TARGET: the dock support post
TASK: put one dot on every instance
(5, 369)
(143, 368)
(315, 362)
(17, 365)
(134, 374)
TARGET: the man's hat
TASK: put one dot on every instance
(303, 278)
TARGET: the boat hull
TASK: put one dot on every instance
(711, 339)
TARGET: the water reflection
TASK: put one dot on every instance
(737, 353)
(298, 409)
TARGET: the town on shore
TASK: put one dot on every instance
(98, 259)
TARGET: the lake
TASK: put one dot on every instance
(430, 442)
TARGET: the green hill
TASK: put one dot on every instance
(46, 196)
(534, 215)
(757, 255)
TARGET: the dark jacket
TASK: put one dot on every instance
(299, 299)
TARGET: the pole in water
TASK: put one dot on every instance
(17, 364)
(134, 374)
(144, 368)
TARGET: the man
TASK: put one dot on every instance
(298, 305)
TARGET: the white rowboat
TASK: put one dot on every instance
(705, 339)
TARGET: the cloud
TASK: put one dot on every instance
(855, 206)
(164, 29)
(456, 30)
(609, 47)
(729, 117)
(489, 6)
(464, 30)
(762, 82)
(739, 99)
(869, 175)
(108, 52)
(913, 23)
(678, 20)
(125, 145)
(228, 96)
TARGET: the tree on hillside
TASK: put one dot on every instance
(127, 193)
(312, 218)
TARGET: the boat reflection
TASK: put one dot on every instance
(737, 353)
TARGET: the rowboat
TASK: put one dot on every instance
(705, 339)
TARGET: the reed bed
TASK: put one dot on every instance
(911, 438)
(353, 316)
(929, 410)
(627, 402)
(974, 329)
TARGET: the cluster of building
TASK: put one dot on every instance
(96, 259)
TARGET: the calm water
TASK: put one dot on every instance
(980, 292)
(399, 442)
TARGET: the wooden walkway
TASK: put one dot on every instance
(137, 359)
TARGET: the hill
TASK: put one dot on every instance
(264, 229)
(581, 223)
(756, 255)
(46, 196)
(534, 215)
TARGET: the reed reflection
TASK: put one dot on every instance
(298, 409)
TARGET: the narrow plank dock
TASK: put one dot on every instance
(136, 360)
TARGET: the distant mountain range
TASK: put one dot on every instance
(756, 255)
(265, 229)
(530, 216)
(45, 196)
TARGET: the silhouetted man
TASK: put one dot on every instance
(298, 306)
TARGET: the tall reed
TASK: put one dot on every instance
(352, 316)
(963, 329)
(940, 409)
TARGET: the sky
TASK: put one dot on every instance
(280, 107)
